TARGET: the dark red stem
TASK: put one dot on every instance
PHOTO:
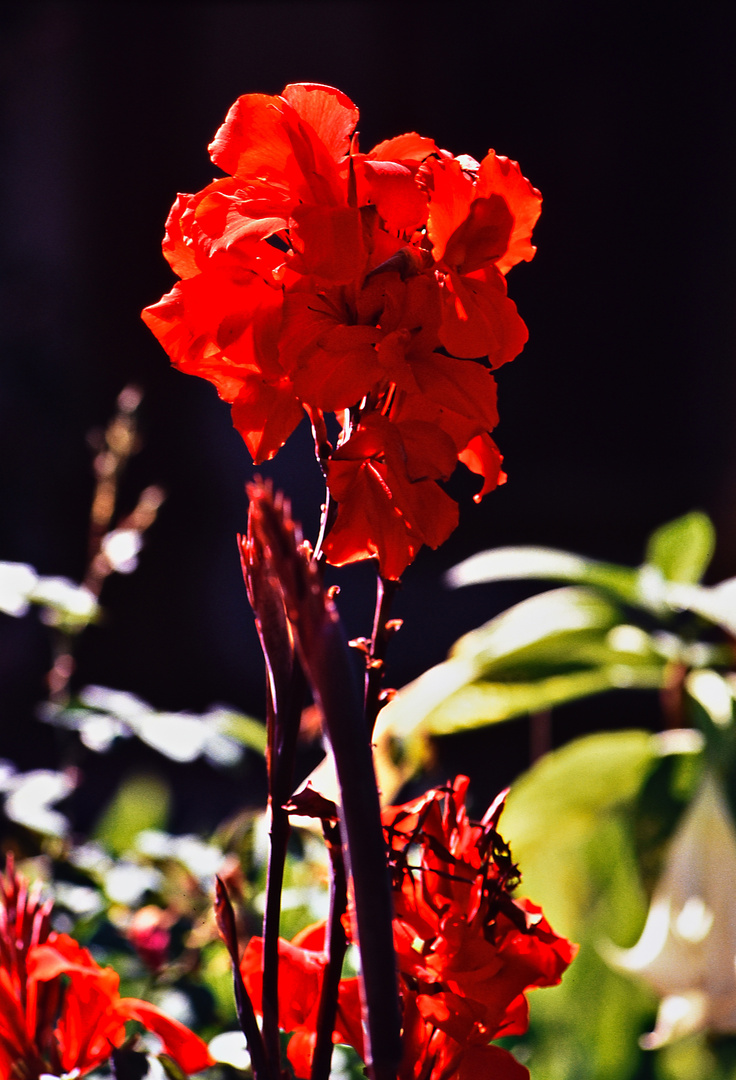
(335, 946)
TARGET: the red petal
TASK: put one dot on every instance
(265, 414)
(450, 197)
(483, 457)
(409, 147)
(186, 1048)
(504, 177)
(253, 140)
(332, 364)
(330, 113)
(328, 242)
(392, 188)
(489, 1061)
(480, 320)
(481, 238)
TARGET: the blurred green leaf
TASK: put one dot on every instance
(667, 789)
(246, 730)
(486, 702)
(554, 810)
(141, 802)
(544, 617)
(567, 821)
(547, 564)
(682, 549)
(555, 647)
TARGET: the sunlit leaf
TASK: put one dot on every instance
(559, 611)
(546, 564)
(552, 648)
(556, 807)
(568, 823)
(682, 549)
(486, 702)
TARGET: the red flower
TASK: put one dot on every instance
(371, 286)
(60, 1011)
(467, 951)
(301, 971)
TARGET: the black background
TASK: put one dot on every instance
(616, 417)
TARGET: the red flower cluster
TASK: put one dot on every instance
(466, 950)
(316, 278)
(59, 1011)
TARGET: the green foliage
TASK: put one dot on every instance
(571, 822)
(246, 730)
(141, 802)
(682, 549)
(615, 627)
(545, 564)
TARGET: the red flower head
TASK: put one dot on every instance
(467, 951)
(60, 1011)
(372, 286)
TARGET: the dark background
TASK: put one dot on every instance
(617, 416)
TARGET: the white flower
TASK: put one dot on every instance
(687, 950)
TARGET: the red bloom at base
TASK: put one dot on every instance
(467, 951)
(319, 279)
(59, 1010)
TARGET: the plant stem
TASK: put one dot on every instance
(376, 656)
(243, 1005)
(327, 665)
(335, 946)
(284, 719)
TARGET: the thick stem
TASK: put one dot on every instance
(327, 665)
(376, 656)
(364, 847)
(335, 946)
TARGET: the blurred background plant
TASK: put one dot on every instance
(626, 838)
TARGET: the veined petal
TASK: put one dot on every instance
(330, 113)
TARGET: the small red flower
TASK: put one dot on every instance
(301, 971)
(317, 278)
(467, 951)
(60, 1011)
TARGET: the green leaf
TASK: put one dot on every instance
(554, 647)
(567, 821)
(170, 1067)
(547, 564)
(682, 549)
(668, 788)
(141, 802)
(554, 809)
(486, 702)
(246, 730)
(560, 611)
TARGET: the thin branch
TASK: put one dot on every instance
(335, 947)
